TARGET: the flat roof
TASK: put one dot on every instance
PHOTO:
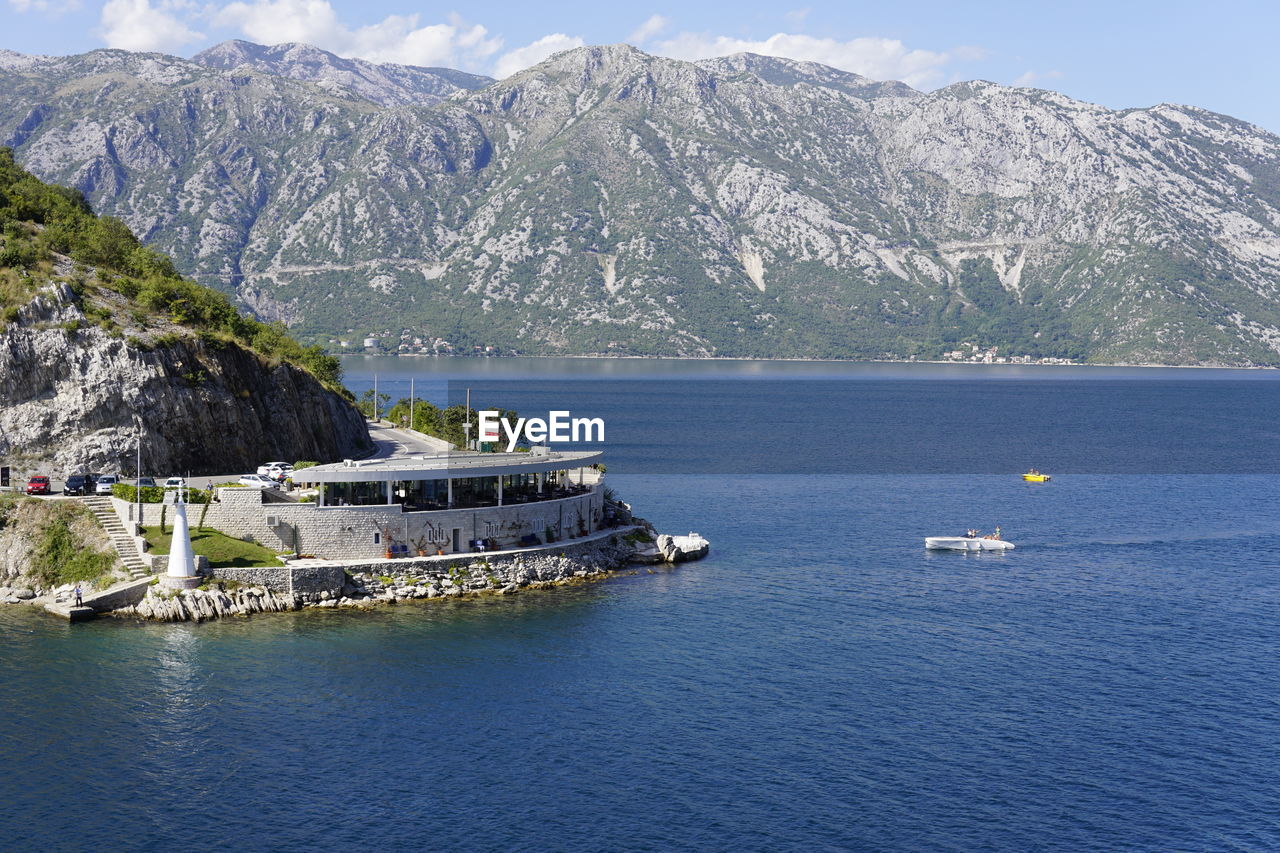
(445, 466)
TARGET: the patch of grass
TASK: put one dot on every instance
(223, 551)
(59, 557)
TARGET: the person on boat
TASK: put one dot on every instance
(971, 534)
(996, 535)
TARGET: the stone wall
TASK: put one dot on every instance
(123, 595)
(343, 533)
(288, 579)
(393, 581)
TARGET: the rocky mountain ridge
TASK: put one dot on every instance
(608, 201)
(388, 85)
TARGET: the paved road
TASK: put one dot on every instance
(398, 442)
(388, 442)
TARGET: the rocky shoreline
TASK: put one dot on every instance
(367, 589)
(368, 584)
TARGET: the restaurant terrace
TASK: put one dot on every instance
(454, 480)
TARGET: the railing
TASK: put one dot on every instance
(507, 500)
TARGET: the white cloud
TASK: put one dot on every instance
(650, 28)
(1030, 78)
(396, 38)
(531, 54)
(138, 25)
(877, 58)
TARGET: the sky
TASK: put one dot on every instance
(1119, 54)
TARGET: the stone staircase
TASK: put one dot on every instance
(120, 537)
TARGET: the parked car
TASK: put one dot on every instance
(104, 484)
(38, 485)
(78, 484)
(275, 470)
(257, 481)
(175, 483)
(146, 482)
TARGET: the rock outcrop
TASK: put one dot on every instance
(29, 567)
(680, 549)
(73, 397)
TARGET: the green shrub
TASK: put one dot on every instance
(166, 340)
(155, 494)
(21, 255)
(60, 558)
(133, 270)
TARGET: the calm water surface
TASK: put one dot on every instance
(819, 682)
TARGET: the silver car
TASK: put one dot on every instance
(257, 481)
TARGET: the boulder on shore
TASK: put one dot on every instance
(679, 549)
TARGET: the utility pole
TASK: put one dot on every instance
(137, 483)
(411, 402)
(466, 423)
(375, 396)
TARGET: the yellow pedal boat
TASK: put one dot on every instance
(1036, 477)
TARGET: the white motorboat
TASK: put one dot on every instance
(966, 543)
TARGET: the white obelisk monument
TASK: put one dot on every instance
(182, 561)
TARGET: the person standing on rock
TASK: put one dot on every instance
(79, 599)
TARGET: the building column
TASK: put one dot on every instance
(389, 501)
(542, 479)
(499, 490)
(320, 497)
(449, 481)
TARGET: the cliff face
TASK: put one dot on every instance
(72, 398)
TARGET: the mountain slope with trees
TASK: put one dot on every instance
(608, 201)
(103, 342)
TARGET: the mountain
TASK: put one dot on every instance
(608, 201)
(387, 85)
(100, 340)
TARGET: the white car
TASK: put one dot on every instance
(275, 470)
(175, 483)
(257, 481)
(105, 482)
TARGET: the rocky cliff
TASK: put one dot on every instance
(102, 342)
(610, 201)
(74, 397)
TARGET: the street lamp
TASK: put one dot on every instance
(137, 482)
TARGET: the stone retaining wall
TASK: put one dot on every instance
(387, 582)
(287, 579)
(339, 533)
(122, 596)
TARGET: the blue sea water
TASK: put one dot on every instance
(820, 681)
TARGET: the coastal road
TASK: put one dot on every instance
(389, 442)
(392, 442)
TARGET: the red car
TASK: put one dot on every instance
(38, 486)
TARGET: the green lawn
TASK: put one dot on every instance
(222, 550)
